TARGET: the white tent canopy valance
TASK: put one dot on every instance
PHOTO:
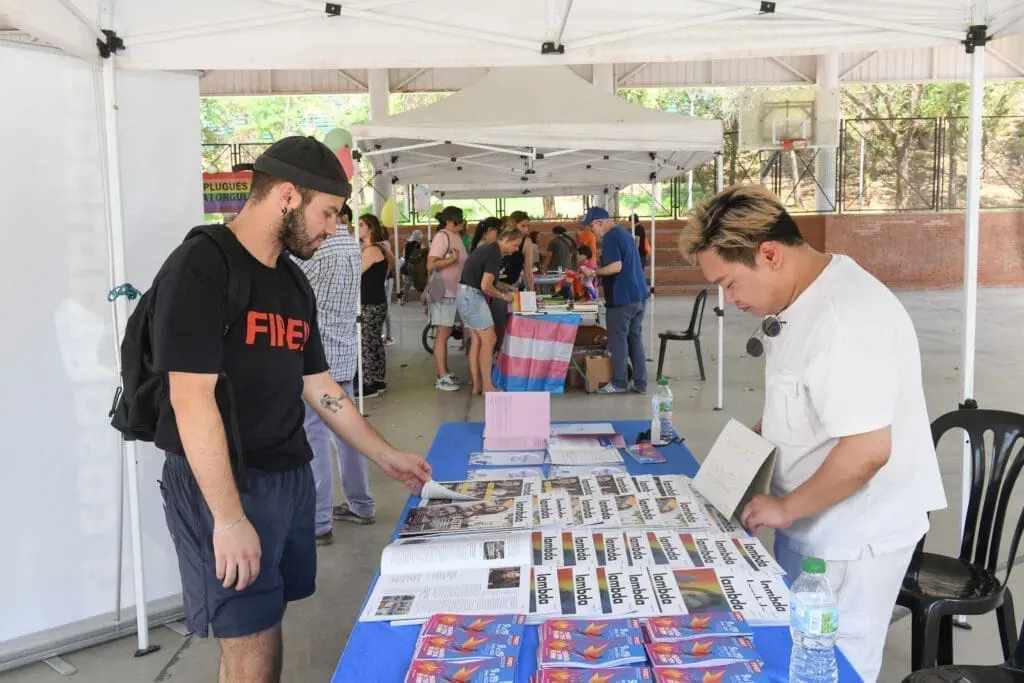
(309, 34)
(529, 130)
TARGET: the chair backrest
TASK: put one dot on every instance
(993, 478)
(697, 315)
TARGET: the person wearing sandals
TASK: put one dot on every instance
(447, 256)
(377, 262)
(479, 277)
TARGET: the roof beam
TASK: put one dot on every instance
(858, 64)
(632, 72)
(565, 22)
(440, 29)
(215, 28)
(353, 79)
(791, 69)
(56, 22)
(1002, 58)
(402, 84)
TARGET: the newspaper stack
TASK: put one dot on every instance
(469, 649)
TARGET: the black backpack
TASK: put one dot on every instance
(143, 390)
(416, 267)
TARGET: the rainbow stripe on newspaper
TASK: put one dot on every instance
(536, 353)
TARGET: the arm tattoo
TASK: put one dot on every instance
(333, 403)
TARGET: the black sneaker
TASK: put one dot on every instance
(381, 387)
(342, 513)
(367, 391)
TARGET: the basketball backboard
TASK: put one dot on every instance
(774, 117)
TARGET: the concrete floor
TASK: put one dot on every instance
(408, 414)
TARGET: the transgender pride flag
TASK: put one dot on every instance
(536, 353)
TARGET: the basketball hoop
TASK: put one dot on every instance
(793, 143)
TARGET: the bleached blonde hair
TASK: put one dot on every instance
(736, 222)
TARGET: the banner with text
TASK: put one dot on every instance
(225, 192)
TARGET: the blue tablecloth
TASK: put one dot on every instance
(379, 653)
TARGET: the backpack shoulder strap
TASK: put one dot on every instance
(238, 285)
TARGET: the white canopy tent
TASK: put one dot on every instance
(539, 131)
(307, 34)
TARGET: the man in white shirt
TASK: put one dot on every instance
(856, 474)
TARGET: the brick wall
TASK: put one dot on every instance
(904, 250)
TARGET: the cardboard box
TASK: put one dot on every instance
(598, 371)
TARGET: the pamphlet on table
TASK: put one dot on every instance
(494, 473)
(517, 421)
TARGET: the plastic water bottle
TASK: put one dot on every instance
(814, 626)
(661, 414)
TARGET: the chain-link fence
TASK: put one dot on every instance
(882, 165)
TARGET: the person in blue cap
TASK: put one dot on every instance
(625, 290)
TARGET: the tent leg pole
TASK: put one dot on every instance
(357, 188)
(654, 236)
(720, 310)
(971, 226)
(117, 260)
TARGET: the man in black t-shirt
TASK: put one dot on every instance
(245, 551)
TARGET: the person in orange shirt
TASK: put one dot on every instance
(587, 237)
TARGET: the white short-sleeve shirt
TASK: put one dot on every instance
(847, 362)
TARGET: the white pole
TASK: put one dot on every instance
(654, 236)
(971, 218)
(356, 189)
(689, 174)
(720, 312)
(115, 245)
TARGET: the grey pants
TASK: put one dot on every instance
(355, 480)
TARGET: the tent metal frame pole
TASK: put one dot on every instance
(403, 148)
(971, 239)
(357, 188)
(115, 216)
(720, 309)
(654, 238)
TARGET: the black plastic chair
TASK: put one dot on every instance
(1011, 671)
(692, 333)
(938, 587)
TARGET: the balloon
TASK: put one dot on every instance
(421, 198)
(390, 214)
(338, 138)
(345, 157)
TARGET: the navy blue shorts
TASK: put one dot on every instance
(280, 506)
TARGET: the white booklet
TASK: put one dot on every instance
(479, 489)
(494, 473)
(583, 429)
(417, 597)
(555, 471)
(739, 466)
(506, 458)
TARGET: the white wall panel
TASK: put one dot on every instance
(59, 485)
(158, 134)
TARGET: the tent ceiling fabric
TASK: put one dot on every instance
(298, 34)
(517, 131)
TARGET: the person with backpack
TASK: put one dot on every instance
(217, 359)
(447, 256)
(561, 253)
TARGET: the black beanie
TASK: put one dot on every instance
(307, 163)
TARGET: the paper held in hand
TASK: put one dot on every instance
(739, 467)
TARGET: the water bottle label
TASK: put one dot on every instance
(817, 622)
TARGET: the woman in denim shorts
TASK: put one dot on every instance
(479, 275)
